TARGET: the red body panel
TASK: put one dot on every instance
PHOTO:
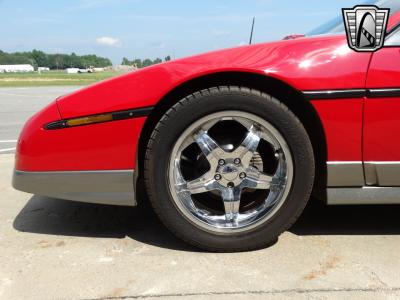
(305, 64)
(382, 115)
(317, 63)
(342, 121)
(382, 130)
(102, 146)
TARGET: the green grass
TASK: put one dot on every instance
(52, 78)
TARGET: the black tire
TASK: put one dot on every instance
(205, 102)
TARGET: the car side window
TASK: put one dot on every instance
(393, 39)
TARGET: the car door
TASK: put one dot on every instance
(381, 137)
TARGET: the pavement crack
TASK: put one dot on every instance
(270, 292)
(377, 278)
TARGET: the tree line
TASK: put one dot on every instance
(142, 63)
(38, 58)
(58, 61)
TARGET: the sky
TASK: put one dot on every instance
(154, 28)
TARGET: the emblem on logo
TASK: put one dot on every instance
(365, 27)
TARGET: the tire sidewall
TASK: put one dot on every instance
(199, 105)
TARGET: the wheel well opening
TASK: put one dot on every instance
(292, 98)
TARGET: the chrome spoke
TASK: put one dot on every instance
(181, 188)
(208, 146)
(231, 170)
(257, 180)
(231, 198)
(249, 145)
(202, 184)
(264, 135)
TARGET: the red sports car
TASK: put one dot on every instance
(230, 145)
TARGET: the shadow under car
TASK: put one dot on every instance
(58, 217)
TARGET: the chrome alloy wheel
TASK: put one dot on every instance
(230, 172)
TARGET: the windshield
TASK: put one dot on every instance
(336, 25)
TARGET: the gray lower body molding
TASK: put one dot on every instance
(345, 173)
(364, 195)
(100, 187)
(355, 182)
(382, 173)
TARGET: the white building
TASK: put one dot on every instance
(16, 68)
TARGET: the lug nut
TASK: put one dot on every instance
(231, 185)
(217, 177)
(221, 162)
(242, 175)
(237, 161)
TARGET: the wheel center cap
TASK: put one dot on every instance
(230, 172)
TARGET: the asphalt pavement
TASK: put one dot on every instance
(54, 249)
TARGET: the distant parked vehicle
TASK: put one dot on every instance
(43, 69)
(72, 70)
(78, 70)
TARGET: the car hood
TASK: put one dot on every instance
(301, 63)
